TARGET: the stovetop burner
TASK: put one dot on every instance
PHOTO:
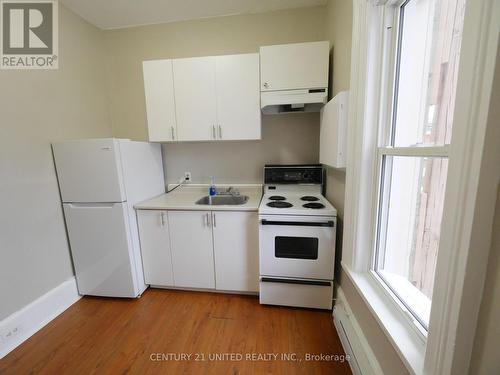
(309, 198)
(276, 198)
(314, 205)
(279, 204)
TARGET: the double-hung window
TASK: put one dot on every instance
(415, 130)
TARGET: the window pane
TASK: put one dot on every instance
(411, 207)
(430, 35)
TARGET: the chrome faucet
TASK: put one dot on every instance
(229, 191)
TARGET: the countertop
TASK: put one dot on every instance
(185, 196)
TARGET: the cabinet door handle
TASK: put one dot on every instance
(162, 219)
(220, 132)
(172, 132)
(214, 220)
(213, 131)
(266, 85)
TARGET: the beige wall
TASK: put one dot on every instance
(38, 107)
(291, 138)
(339, 32)
(338, 29)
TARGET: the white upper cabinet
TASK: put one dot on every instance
(294, 66)
(195, 103)
(333, 131)
(238, 97)
(203, 98)
(160, 105)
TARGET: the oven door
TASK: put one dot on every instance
(297, 246)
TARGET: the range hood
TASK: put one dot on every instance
(291, 101)
(294, 77)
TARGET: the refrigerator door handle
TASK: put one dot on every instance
(92, 205)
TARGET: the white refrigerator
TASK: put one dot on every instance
(100, 180)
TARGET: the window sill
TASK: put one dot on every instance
(416, 300)
(399, 328)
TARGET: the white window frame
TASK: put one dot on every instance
(447, 349)
(388, 51)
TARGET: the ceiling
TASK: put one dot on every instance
(114, 14)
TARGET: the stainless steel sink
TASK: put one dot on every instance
(219, 200)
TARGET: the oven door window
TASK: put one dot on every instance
(296, 247)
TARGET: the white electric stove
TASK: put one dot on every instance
(297, 228)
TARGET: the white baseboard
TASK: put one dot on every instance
(21, 325)
(362, 360)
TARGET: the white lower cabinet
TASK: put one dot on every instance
(155, 247)
(200, 249)
(236, 250)
(192, 249)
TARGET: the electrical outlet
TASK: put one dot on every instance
(187, 176)
(9, 334)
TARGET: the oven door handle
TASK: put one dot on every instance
(298, 223)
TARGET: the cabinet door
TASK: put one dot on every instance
(332, 135)
(160, 104)
(236, 248)
(192, 249)
(294, 66)
(155, 247)
(238, 97)
(195, 105)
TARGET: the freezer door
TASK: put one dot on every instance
(99, 237)
(90, 170)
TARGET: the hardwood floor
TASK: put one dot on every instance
(116, 336)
